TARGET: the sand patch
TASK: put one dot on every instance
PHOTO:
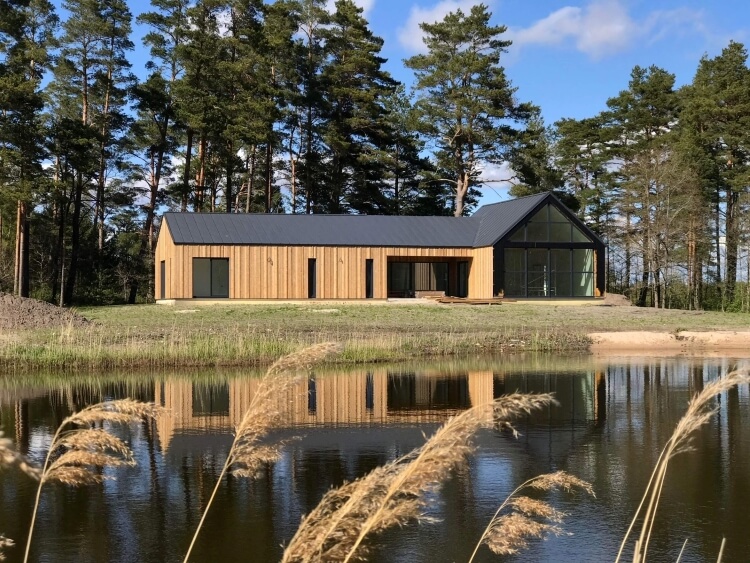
(679, 342)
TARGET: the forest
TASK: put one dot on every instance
(285, 107)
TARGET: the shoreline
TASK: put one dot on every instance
(671, 343)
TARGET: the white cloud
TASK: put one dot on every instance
(410, 35)
(366, 6)
(604, 27)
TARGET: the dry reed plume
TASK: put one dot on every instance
(394, 494)
(4, 544)
(699, 412)
(75, 456)
(11, 458)
(248, 455)
(510, 533)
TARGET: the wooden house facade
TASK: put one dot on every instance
(528, 247)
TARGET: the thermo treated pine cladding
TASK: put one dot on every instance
(280, 272)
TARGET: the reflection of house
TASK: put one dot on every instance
(373, 397)
(527, 247)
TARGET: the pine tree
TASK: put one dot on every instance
(717, 114)
(354, 85)
(465, 101)
(26, 33)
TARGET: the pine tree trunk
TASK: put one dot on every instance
(200, 176)
(17, 253)
(269, 176)
(251, 180)
(230, 172)
(732, 244)
(24, 281)
(75, 241)
(462, 188)
(186, 175)
(21, 266)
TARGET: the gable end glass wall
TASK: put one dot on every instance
(546, 256)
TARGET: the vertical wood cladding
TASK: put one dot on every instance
(280, 272)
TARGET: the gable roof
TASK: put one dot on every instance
(498, 219)
(487, 226)
(321, 230)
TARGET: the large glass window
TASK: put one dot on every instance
(210, 277)
(538, 272)
(583, 272)
(515, 272)
(549, 272)
(399, 277)
(407, 277)
(548, 224)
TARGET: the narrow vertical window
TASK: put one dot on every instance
(312, 287)
(162, 279)
(369, 282)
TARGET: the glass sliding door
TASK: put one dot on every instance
(548, 272)
(211, 277)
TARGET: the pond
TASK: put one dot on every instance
(613, 418)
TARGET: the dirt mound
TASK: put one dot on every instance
(616, 300)
(20, 312)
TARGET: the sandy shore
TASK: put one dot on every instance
(686, 342)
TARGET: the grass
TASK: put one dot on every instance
(246, 335)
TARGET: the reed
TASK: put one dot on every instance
(248, 455)
(101, 347)
(394, 494)
(76, 457)
(510, 533)
(11, 458)
(4, 544)
(700, 410)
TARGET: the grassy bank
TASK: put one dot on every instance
(243, 335)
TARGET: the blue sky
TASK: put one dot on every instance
(567, 56)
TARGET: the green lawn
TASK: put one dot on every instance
(228, 334)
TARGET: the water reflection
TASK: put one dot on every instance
(612, 420)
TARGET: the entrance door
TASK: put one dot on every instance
(369, 281)
(312, 278)
(463, 279)
(162, 279)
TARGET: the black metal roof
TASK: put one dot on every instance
(498, 219)
(488, 225)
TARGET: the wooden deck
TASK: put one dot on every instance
(467, 301)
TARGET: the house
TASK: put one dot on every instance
(530, 247)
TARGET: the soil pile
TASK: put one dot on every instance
(616, 300)
(20, 312)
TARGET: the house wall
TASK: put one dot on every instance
(280, 272)
(340, 398)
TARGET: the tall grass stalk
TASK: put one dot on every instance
(699, 412)
(508, 534)
(88, 448)
(4, 544)
(394, 494)
(11, 458)
(247, 455)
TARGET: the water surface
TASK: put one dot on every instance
(613, 419)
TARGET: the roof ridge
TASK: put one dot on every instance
(516, 199)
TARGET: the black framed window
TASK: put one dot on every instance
(312, 278)
(369, 278)
(211, 277)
